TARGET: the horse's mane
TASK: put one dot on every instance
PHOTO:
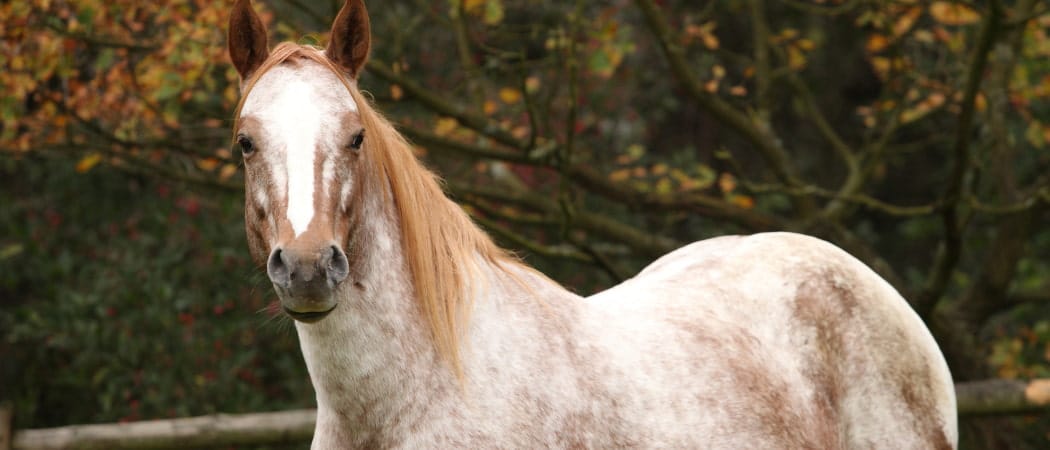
(442, 246)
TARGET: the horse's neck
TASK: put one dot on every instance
(373, 362)
(366, 357)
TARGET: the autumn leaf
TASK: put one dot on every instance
(951, 13)
(876, 43)
(227, 171)
(743, 201)
(906, 20)
(509, 96)
(796, 59)
(87, 162)
(532, 84)
(620, 175)
(635, 151)
(493, 12)
(727, 182)
(207, 164)
(705, 33)
(444, 126)
(664, 186)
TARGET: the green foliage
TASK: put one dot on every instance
(128, 298)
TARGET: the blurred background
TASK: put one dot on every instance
(589, 136)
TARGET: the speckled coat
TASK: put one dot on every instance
(772, 341)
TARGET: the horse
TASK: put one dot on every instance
(418, 331)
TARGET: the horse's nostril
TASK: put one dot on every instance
(279, 268)
(338, 267)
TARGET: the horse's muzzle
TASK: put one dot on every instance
(306, 280)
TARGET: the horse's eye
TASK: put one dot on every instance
(246, 145)
(357, 140)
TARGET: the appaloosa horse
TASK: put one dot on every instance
(419, 332)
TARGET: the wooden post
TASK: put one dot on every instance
(219, 430)
(1003, 397)
(6, 430)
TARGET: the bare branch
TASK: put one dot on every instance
(595, 182)
(645, 243)
(948, 257)
(762, 138)
(430, 100)
(546, 251)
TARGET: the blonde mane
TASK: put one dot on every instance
(442, 246)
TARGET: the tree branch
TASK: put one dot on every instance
(948, 256)
(762, 138)
(597, 183)
(643, 242)
(437, 104)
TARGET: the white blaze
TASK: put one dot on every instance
(299, 127)
(291, 108)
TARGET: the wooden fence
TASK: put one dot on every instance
(990, 397)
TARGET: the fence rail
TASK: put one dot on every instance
(999, 397)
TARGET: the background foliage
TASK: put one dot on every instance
(591, 136)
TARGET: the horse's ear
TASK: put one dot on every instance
(351, 38)
(247, 40)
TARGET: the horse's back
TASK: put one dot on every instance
(791, 342)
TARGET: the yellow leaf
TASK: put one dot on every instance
(980, 102)
(710, 41)
(444, 126)
(620, 175)
(473, 6)
(86, 163)
(396, 92)
(951, 13)
(227, 171)
(532, 84)
(796, 60)
(635, 151)
(493, 12)
(743, 201)
(924, 36)
(738, 91)
(489, 107)
(881, 65)
(207, 164)
(876, 43)
(727, 182)
(509, 96)
(520, 132)
(663, 186)
(718, 71)
(711, 86)
(906, 20)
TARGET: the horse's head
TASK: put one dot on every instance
(299, 130)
